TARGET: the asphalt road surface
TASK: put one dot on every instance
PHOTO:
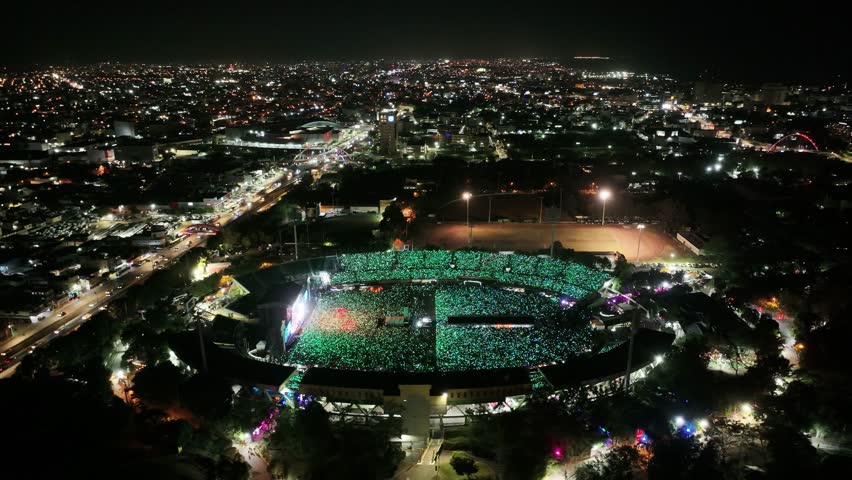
(65, 318)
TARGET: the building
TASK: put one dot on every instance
(693, 241)
(772, 94)
(708, 92)
(136, 152)
(124, 128)
(99, 154)
(388, 134)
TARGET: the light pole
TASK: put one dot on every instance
(605, 194)
(466, 196)
(639, 239)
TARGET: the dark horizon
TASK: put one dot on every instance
(743, 43)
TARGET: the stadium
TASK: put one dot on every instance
(436, 334)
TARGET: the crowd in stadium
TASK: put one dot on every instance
(465, 347)
(573, 280)
(346, 331)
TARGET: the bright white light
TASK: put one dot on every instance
(641, 226)
(246, 437)
(708, 169)
(746, 408)
(658, 359)
(717, 167)
(703, 423)
(679, 421)
(605, 194)
(466, 195)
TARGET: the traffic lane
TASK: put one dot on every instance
(106, 291)
(78, 311)
(90, 302)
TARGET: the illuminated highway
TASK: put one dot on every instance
(66, 318)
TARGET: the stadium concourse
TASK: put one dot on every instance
(434, 334)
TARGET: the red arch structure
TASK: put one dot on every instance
(796, 134)
(201, 229)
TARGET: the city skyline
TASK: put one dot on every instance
(230, 249)
(728, 44)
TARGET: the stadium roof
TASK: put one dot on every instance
(227, 364)
(647, 344)
(321, 124)
(389, 382)
(260, 280)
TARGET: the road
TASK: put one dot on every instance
(66, 318)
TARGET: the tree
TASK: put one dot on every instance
(305, 444)
(206, 396)
(393, 221)
(158, 383)
(463, 463)
(673, 213)
(681, 456)
(620, 463)
(791, 454)
(768, 360)
(804, 323)
(623, 268)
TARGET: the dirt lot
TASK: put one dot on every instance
(580, 237)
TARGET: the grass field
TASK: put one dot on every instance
(654, 245)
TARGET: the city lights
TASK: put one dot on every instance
(296, 229)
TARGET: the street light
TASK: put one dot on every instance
(605, 194)
(639, 239)
(466, 196)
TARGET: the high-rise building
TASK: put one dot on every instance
(708, 92)
(772, 94)
(388, 134)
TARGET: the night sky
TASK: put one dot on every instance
(726, 40)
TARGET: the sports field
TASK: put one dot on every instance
(654, 245)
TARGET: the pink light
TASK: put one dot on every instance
(794, 135)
